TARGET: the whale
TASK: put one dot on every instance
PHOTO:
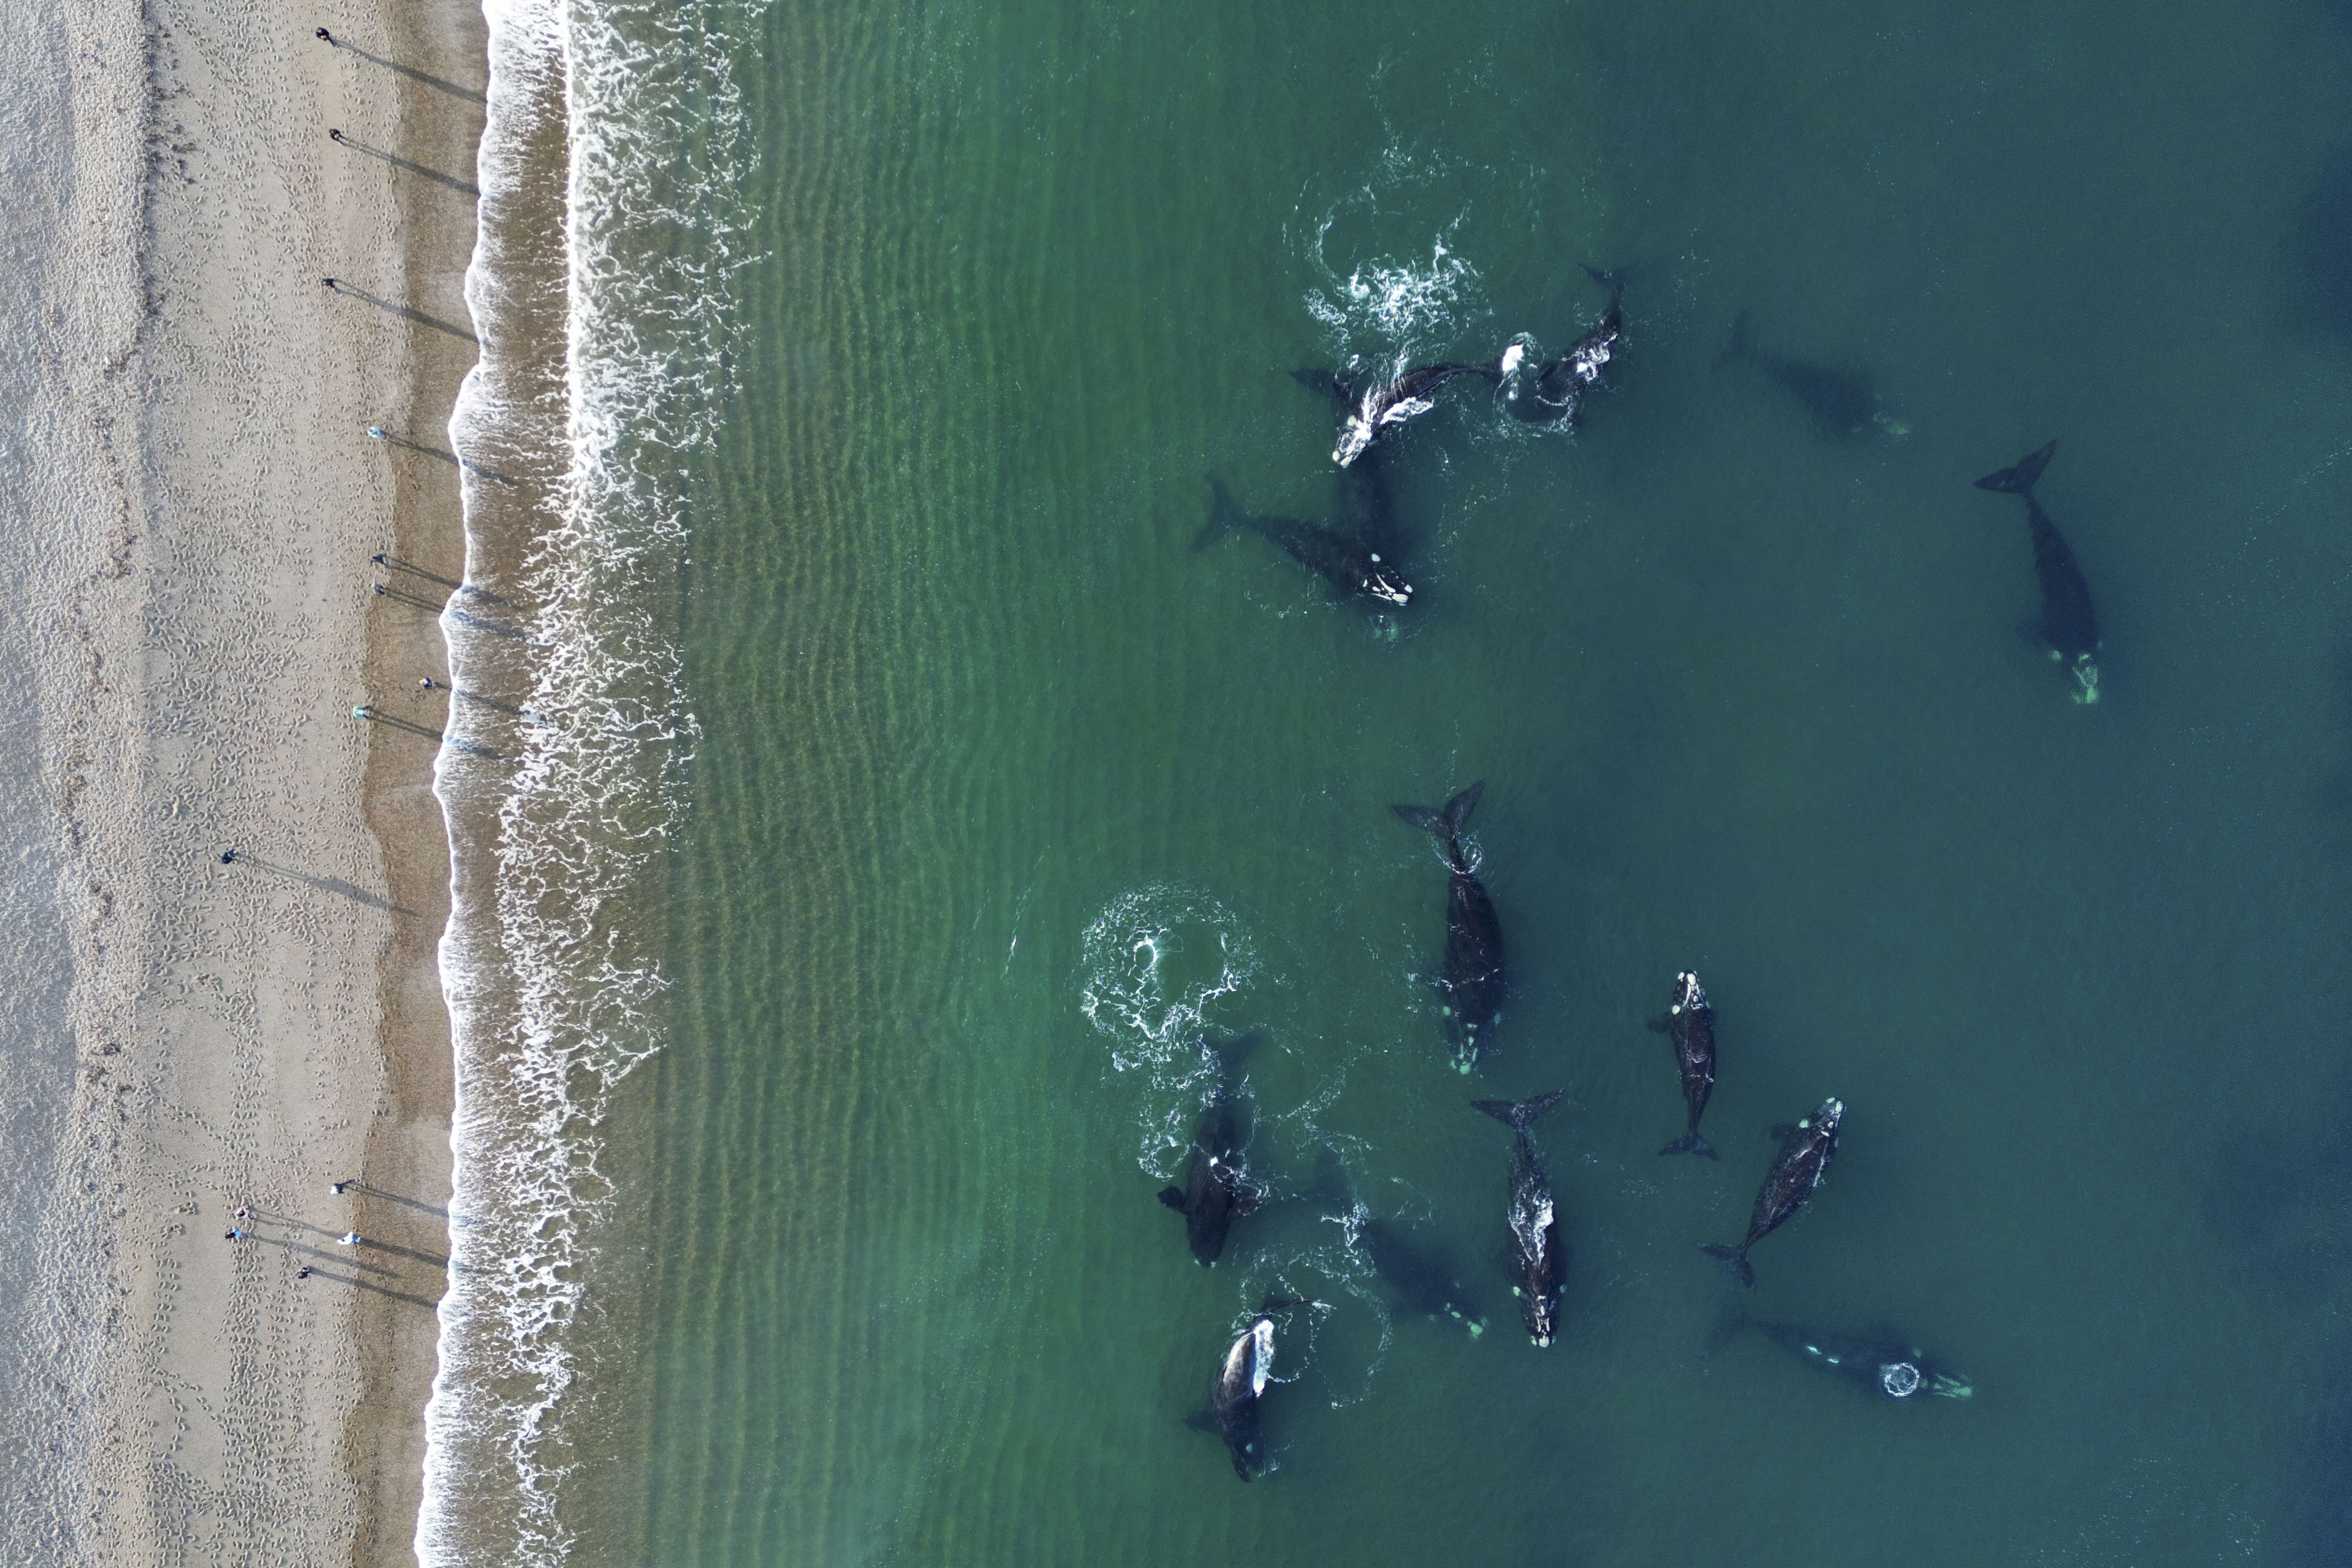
(1538, 1255)
(1884, 1362)
(1843, 403)
(2069, 627)
(1383, 406)
(1423, 1283)
(1348, 565)
(1689, 1022)
(1805, 1150)
(1217, 1189)
(1471, 980)
(1241, 1382)
(1556, 395)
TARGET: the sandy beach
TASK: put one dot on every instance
(247, 1034)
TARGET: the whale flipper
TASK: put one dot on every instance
(1518, 1114)
(2019, 481)
(1173, 1197)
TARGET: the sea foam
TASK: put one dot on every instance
(551, 963)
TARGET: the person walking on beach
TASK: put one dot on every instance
(334, 135)
(228, 857)
(337, 1187)
(303, 1272)
(327, 38)
(348, 1239)
(231, 1235)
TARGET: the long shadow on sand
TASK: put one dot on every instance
(437, 83)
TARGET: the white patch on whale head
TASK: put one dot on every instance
(1261, 1354)
(1513, 357)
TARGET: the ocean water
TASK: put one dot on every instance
(908, 795)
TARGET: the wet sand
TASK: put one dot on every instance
(248, 1034)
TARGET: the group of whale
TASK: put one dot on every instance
(1363, 560)
(1217, 1189)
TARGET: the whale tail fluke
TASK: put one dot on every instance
(1614, 280)
(2019, 481)
(1517, 1114)
(1735, 1256)
(1225, 514)
(1690, 1144)
(1737, 349)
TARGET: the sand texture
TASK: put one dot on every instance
(248, 1034)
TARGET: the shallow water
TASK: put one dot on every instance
(1003, 794)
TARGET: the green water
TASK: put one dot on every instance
(1746, 700)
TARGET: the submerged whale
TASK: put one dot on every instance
(1884, 1362)
(1241, 1382)
(1805, 1150)
(1423, 1282)
(1538, 1255)
(1472, 979)
(1557, 395)
(1217, 1189)
(2069, 627)
(1843, 403)
(1348, 565)
(1690, 1022)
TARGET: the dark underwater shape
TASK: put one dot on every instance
(1557, 394)
(1472, 978)
(2069, 626)
(1804, 1156)
(1240, 1384)
(1344, 563)
(1538, 1255)
(1843, 403)
(1884, 1362)
(1423, 1281)
(1217, 1189)
(1690, 1022)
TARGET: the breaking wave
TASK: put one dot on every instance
(602, 287)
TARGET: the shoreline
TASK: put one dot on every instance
(245, 1034)
(408, 1149)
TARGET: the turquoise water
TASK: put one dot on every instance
(1003, 794)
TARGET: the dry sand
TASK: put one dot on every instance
(248, 1034)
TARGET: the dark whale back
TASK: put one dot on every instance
(1473, 977)
(1689, 1023)
(2069, 624)
(1538, 1255)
